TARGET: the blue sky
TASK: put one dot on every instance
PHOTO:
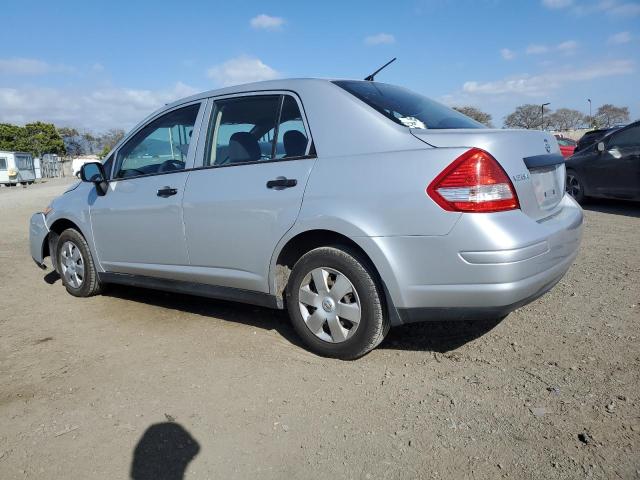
(97, 65)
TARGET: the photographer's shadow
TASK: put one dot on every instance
(163, 453)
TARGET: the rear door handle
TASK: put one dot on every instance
(281, 183)
(167, 192)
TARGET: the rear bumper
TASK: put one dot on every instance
(487, 266)
(38, 232)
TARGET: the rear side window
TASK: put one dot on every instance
(161, 146)
(406, 107)
(292, 136)
(255, 128)
(3, 163)
(243, 129)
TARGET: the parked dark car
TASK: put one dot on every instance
(609, 168)
(592, 137)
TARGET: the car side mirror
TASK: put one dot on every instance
(600, 147)
(93, 172)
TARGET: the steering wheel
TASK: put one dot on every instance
(170, 165)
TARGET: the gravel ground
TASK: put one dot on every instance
(145, 384)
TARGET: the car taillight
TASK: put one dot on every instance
(474, 182)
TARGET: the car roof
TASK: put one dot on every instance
(265, 85)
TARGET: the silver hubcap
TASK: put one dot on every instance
(329, 305)
(72, 264)
(573, 186)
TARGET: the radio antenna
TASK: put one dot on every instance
(371, 77)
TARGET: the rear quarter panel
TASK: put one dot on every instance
(377, 194)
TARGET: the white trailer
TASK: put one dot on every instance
(15, 168)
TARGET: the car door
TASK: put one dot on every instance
(257, 158)
(617, 170)
(137, 224)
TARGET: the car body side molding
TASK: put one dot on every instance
(192, 288)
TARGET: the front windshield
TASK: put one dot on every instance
(406, 107)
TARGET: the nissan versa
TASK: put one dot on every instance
(355, 205)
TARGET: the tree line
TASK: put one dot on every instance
(38, 138)
(530, 116)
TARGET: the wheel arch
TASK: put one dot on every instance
(51, 240)
(578, 172)
(299, 244)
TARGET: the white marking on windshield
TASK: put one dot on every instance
(412, 122)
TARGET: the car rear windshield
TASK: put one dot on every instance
(406, 107)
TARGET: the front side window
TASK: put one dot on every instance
(406, 107)
(162, 146)
(107, 164)
(629, 137)
(3, 163)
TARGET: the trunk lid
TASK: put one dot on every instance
(531, 159)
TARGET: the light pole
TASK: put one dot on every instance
(542, 113)
(590, 118)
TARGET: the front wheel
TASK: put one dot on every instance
(76, 266)
(575, 187)
(335, 303)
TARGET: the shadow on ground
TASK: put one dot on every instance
(614, 207)
(428, 336)
(163, 453)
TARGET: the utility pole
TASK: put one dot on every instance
(542, 113)
(590, 117)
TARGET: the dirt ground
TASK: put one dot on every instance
(142, 384)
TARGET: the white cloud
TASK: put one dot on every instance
(96, 110)
(380, 39)
(542, 84)
(619, 38)
(30, 66)
(614, 8)
(537, 49)
(568, 48)
(241, 69)
(507, 54)
(267, 22)
(556, 4)
(617, 9)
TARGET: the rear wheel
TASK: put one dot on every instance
(335, 303)
(575, 187)
(76, 266)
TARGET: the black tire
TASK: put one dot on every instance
(373, 324)
(575, 186)
(90, 284)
